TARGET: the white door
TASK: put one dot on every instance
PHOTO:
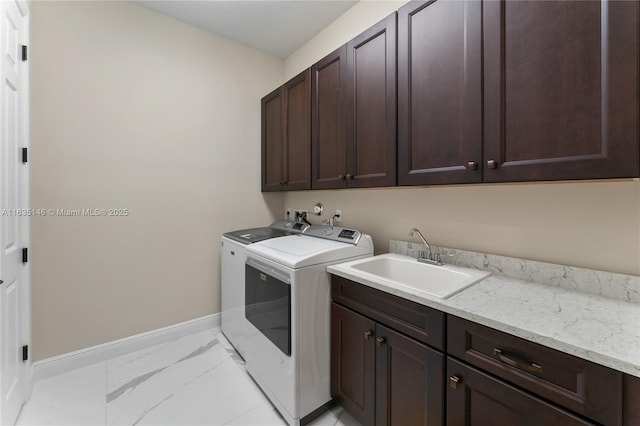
(14, 203)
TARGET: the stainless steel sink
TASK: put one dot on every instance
(403, 271)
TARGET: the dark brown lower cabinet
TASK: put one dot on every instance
(631, 400)
(578, 385)
(382, 377)
(353, 362)
(389, 359)
(476, 398)
(409, 377)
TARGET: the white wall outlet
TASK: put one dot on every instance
(337, 217)
(287, 214)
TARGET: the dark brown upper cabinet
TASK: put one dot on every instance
(328, 121)
(560, 90)
(354, 112)
(272, 143)
(487, 91)
(371, 106)
(439, 92)
(286, 136)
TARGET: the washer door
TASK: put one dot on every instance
(268, 302)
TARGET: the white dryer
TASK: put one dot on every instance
(287, 303)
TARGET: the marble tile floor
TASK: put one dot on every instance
(196, 380)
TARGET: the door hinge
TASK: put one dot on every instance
(24, 52)
(25, 255)
(25, 352)
(25, 155)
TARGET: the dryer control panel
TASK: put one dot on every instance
(334, 233)
(290, 226)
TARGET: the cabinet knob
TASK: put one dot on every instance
(349, 176)
(492, 164)
(454, 381)
(471, 165)
(342, 177)
(367, 334)
(380, 341)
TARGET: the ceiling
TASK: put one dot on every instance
(273, 26)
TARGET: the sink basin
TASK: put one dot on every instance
(403, 271)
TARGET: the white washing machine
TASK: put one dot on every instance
(233, 323)
(287, 303)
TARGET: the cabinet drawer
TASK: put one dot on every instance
(420, 322)
(579, 385)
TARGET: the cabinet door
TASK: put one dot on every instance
(561, 90)
(352, 363)
(296, 95)
(328, 121)
(477, 398)
(272, 142)
(371, 106)
(439, 92)
(631, 396)
(409, 381)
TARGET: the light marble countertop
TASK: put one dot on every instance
(600, 329)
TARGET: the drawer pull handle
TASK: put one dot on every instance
(454, 382)
(380, 341)
(367, 334)
(517, 362)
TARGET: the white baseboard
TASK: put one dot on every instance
(81, 358)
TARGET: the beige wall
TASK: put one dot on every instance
(354, 21)
(589, 224)
(132, 109)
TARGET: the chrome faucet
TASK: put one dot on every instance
(426, 256)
